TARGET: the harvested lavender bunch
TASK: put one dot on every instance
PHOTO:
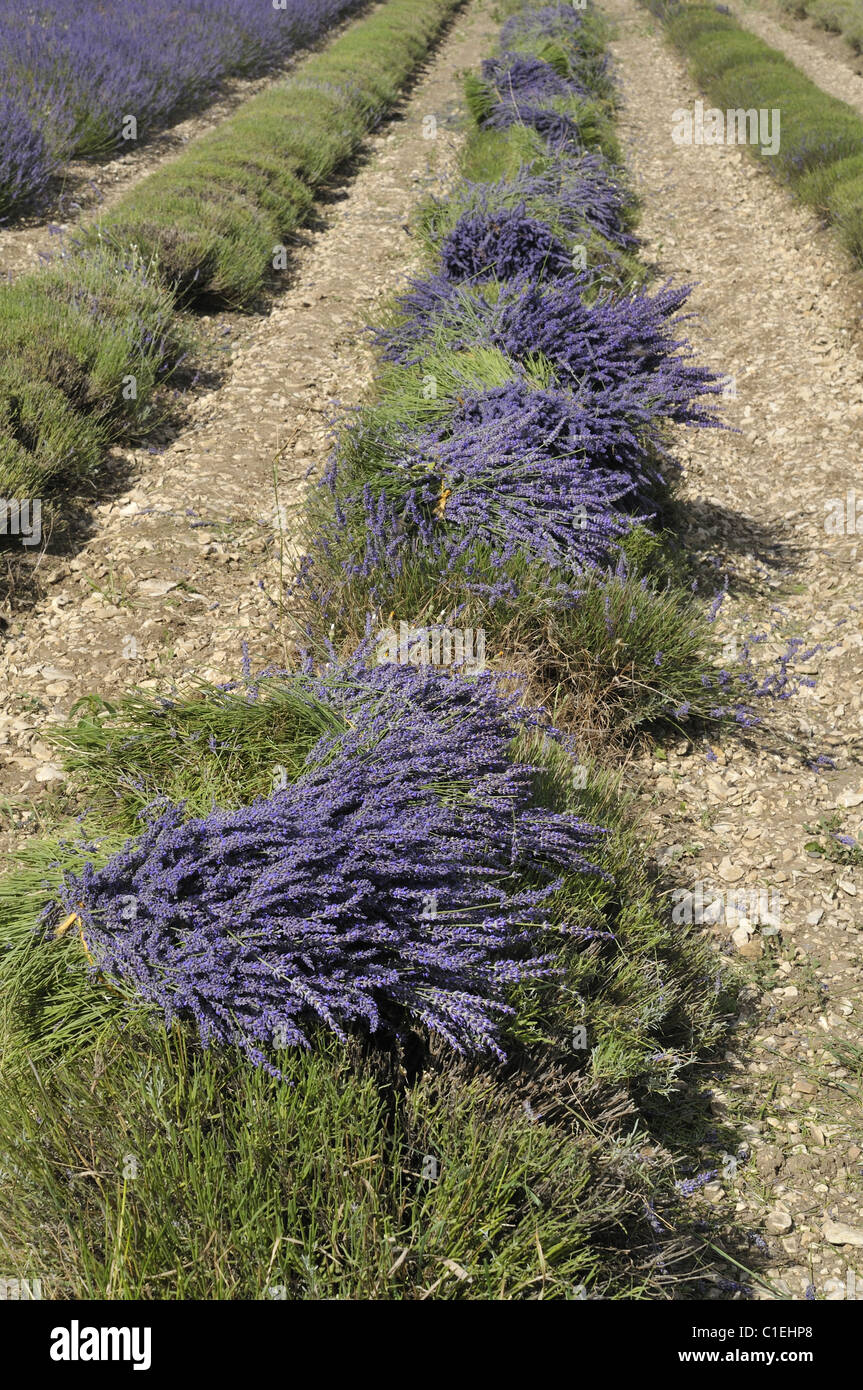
(564, 424)
(502, 244)
(619, 355)
(560, 131)
(583, 191)
(404, 877)
(542, 21)
(622, 344)
(573, 196)
(558, 30)
(499, 473)
(521, 76)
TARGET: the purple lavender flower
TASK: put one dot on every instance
(687, 1186)
(560, 131)
(618, 355)
(406, 876)
(502, 244)
(506, 472)
(517, 76)
(541, 22)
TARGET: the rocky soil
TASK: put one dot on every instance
(778, 309)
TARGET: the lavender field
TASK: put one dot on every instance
(431, 729)
(73, 72)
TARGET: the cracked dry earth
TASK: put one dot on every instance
(777, 310)
(182, 567)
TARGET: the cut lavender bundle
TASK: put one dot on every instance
(544, 22)
(617, 371)
(506, 471)
(521, 76)
(574, 197)
(560, 131)
(610, 342)
(405, 876)
(581, 190)
(500, 244)
(618, 355)
(601, 378)
(565, 425)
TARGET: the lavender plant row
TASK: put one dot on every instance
(411, 874)
(552, 392)
(73, 71)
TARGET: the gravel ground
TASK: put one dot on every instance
(776, 309)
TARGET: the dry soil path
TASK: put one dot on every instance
(775, 310)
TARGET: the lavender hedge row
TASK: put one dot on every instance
(515, 472)
(73, 71)
(517, 456)
(410, 873)
(565, 452)
(202, 226)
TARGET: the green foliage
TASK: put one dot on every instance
(174, 1175)
(212, 746)
(831, 842)
(72, 338)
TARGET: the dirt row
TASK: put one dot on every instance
(778, 309)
